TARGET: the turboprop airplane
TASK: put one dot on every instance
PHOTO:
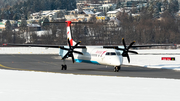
(101, 55)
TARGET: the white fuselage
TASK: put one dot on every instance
(94, 55)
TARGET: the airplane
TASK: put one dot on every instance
(101, 55)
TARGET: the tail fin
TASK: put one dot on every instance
(69, 35)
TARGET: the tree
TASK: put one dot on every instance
(45, 23)
(173, 6)
(8, 26)
(23, 25)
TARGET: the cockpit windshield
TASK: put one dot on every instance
(113, 53)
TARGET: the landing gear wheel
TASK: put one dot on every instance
(117, 68)
(63, 67)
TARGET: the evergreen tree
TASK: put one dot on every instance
(23, 26)
(8, 26)
(46, 25)
(173, 6)
(156, 9)
(35, 6)
(165, 4)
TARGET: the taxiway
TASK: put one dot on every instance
(52, 63)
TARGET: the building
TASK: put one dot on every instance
(107, 7)
(111, 13)
(51, 14)
(2, 26)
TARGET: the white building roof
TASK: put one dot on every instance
(88, 12)
(33, 25)
(112, 12)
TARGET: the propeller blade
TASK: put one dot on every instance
(77, 44)
(78, 52)
(124, 43)
(128, 58)
(69, 43)
(65, 55)
(133, 52)
(72, 58)
(131, 45)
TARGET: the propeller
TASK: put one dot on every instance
(71, 51)
(126, 50)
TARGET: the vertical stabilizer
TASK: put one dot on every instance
(69, 34)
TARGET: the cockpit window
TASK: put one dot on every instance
(110, 53)
(113, 53)
(107, 53)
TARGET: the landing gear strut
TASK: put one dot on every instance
(117, 68)
(64, 66)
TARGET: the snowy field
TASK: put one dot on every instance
(40, 86)
(150, 58)
(37, 86)
(153, 59)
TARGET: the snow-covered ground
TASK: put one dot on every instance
(152, 58)
(38, 86)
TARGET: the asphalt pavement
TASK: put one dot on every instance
(52, 63)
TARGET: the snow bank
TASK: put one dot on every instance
(28, 50)
(38, 86)
(153, 59)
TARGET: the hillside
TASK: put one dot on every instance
(5, 3)
(20, 9)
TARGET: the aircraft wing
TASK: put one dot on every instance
(62, 46)
(41, 45)
(136, 46)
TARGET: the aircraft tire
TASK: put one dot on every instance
(117, 68)
(62, 67)
(65, 67)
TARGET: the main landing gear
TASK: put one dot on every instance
(64, 66)
(117, 68)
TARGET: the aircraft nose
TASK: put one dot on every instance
(117, 62)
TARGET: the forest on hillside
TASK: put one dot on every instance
(150, 27)
(6, 3)
(25, 8)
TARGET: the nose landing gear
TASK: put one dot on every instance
(117, 68)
